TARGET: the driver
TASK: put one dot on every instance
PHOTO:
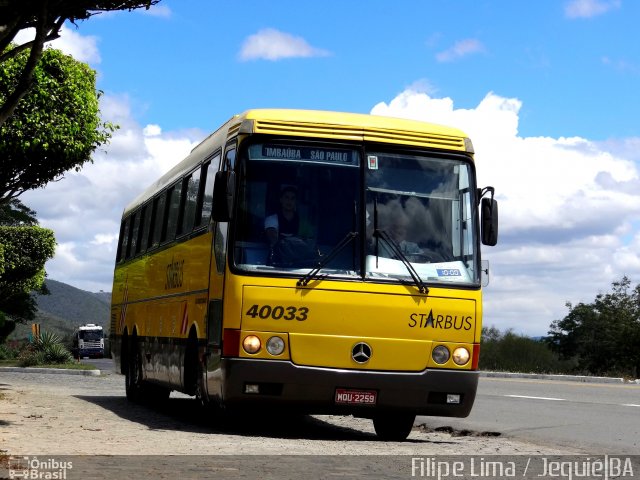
(286, 222)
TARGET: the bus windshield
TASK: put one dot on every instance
(296, 203)
(90, 335)
(299, 204)
(419, 209)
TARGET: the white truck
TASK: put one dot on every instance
(88, 341)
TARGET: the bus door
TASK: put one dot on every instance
(216, 289)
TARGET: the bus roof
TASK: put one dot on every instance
(318, 124)
(359, 121)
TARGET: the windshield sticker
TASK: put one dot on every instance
(448, 272)
(372, 161)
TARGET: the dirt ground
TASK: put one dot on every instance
(79, 415)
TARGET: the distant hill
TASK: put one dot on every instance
(66, 307)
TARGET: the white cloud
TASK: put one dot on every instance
(461, 48)
(271, 44)
(589, 8)
(151, 130)
(84, 208)
(157, 10)
(82, 48)
(569, 209)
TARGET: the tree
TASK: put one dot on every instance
(15, 214)
(47, 17)
(56, 126)
(25, 250)
(604, 335)
(22, 271)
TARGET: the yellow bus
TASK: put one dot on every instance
(314, 261)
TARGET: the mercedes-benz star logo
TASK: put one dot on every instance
(361, 352)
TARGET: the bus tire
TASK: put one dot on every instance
(133, 371)
(191, 365)
(394, 427)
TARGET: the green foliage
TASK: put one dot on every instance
(55, 127)
(30, 357)
(26, 249)
(25, 252)
(507, 351)
(7, 352)
(7, 326)
(45, 350)
(57, 353)
(603, 336)
(46, 340)
(15, 214)
(47, 17)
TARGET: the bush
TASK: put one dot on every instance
(7, 353)
(46, 340)
(46, 349)
(507, 351)
(30, 357)
(57, 354)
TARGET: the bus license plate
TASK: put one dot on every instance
(356, 397)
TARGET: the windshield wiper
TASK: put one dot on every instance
(397, 251)
(326, 259)
(395, 248)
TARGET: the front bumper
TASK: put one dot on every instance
(312, 389)
(92, 352)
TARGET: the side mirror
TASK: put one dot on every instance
(223, 196)
(489, 215)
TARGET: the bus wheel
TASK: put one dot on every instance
(393, 427)
(133, 373)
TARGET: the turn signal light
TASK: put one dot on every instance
(461, 356)
(251, 344)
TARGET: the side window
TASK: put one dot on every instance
(206, 190)
(138, 235)
(191, 186)
(145, 237)
(230, 159)
(158, 218)
(220, 241)
(124, 239)
(173, 207)
(130, 237)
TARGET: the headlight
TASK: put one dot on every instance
(440, 354)
(251, 344)
(275, 345)
(461, 356)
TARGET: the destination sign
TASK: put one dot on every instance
(298, 153)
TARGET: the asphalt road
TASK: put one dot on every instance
(105, 365)
(597, 418)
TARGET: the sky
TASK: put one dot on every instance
(546, 90)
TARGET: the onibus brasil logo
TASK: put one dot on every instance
(38, 468)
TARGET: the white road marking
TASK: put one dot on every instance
(563, 400)
(537, 398)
